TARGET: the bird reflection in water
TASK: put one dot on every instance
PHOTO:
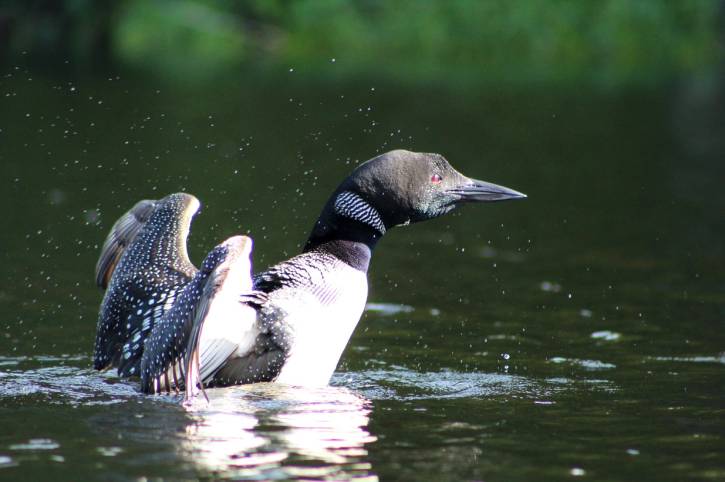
(277, 431)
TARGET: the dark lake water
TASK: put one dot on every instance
(579, 334)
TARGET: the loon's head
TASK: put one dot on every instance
(398, 188)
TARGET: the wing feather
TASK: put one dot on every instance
(165, 347)
(122, 234)
(218, 334)
(144, 263)
(207, 324)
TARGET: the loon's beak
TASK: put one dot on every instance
(472, 190)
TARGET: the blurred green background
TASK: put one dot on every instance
(610, 43)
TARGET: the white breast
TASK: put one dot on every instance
(320, 331)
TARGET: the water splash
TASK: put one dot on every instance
(59, 380)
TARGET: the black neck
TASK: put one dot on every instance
(351, 241)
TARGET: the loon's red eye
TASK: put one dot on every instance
(435, 178)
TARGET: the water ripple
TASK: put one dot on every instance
(61, 383)
(398, 383)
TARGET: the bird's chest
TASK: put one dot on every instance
(318, 320)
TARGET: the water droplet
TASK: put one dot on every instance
(109, 451)
(550, 287)
(606, 335)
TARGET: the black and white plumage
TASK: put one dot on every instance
(143, 266)
(350, 205)
(213, 292)
(292, 323)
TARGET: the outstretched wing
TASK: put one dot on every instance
(220, 349)
(144, 277)
(207, 324)
(121, 235)
(225, 352)
(231, 339)
(162, 367)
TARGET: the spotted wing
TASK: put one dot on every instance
(144, 282)
(143, 316)
(162, 367)
(207, 315)
(122, 234)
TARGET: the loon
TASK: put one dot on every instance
(181, 328)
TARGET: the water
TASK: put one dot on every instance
(577, 334)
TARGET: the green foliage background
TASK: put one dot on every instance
(608, 42)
